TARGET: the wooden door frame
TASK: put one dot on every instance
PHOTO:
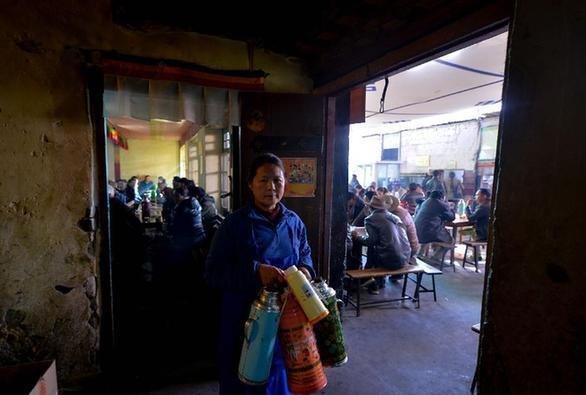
(96, 66)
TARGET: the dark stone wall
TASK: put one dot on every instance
(534, 338)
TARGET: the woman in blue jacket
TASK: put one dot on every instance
(252, 249)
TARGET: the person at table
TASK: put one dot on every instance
(437, 183)
(454, 187)
(355, 205)
(359, 219)
(354, 181)
(132, 190)
(411, 196)
(430, 219)
(381, 191)
(395, 208)
(478, 211)
(146, 185)
(386, 238)
(252, 248)
(187, 228)
(397, 190)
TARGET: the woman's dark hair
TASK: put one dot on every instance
(199, 192)
(437, 195)
(369, 194)
(263, 159)
(436, 173)
(190, 185)
(485, 192)
(413, 186)
(181, 191)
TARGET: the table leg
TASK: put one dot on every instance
(357, 298)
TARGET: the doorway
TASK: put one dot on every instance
(162, 135)
(440, 116)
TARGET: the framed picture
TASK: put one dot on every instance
(301, 177)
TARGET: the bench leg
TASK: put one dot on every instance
(405, 280)
(417, 286)
(476, 258)
(433, 284)
(465, 255)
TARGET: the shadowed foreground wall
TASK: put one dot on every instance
(534, 341)
(48, 302)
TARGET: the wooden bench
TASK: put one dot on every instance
(475, 245)
(356, 275)
(424, 250)
(430, 271)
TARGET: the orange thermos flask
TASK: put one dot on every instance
(305, 373)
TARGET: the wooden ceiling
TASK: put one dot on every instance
(332, 38)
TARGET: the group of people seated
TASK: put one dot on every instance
(393, 223)
(190, 214)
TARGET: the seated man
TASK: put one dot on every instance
(480, 213)
(146, 186)
(387, 240)
(410, 198)
(429, 221)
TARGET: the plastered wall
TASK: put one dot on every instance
(446, 146)
(48, 294)
(152, 157)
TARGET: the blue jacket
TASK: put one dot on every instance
(246, 239)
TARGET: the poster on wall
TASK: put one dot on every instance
(301, 177)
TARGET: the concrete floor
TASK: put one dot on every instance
(398, 349)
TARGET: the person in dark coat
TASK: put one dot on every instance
(132, 191)
(386, 238)
(430, 218)
(478, 211)
(437, 183)
(251, 249)
(187, 228)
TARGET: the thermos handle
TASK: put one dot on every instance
(248, 329)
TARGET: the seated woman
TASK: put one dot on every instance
(252, 248)
(480, 213)
(403, 214)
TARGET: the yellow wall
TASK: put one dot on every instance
(153, 157)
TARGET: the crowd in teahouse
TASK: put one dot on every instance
(392, 222)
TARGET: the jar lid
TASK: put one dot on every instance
(291, 269)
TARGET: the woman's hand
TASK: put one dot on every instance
(270, 276)
(306, 272)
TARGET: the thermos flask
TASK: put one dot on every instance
(311, 304)
(305, 373)
(260, 334)
(328, 332)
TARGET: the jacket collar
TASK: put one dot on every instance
(254, 213)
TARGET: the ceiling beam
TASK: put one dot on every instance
(477, 26)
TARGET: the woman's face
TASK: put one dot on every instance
(268, 186)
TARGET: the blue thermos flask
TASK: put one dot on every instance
(260, 334)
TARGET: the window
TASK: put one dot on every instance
(390, 149)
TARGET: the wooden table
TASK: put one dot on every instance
(459, 223)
